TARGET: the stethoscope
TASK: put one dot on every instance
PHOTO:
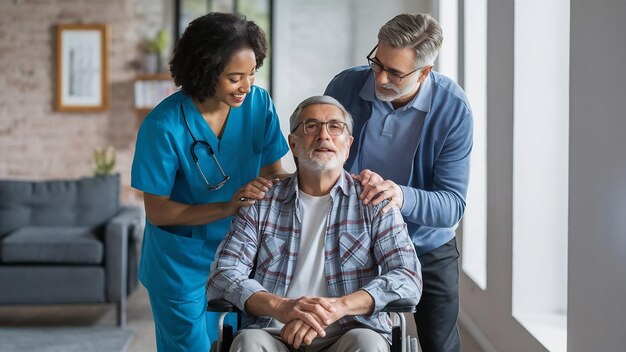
(197, 142)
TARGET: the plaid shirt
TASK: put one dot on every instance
(364, 249)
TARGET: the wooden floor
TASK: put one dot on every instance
(139, 319)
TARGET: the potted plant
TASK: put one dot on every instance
(154, 49)
(103, 161)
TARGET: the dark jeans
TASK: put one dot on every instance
(438, 309)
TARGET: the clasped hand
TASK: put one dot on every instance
(306, 318)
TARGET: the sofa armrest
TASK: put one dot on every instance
(116, 237)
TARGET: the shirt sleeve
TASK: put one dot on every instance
(275, 146)
(234, 260)
(155, 162)
(445, 204)
(401, 275)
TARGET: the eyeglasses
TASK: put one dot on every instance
(313, 126)
(393, 75)
(197, 142)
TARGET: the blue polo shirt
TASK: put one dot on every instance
(175, 260)
(432, 167)
(392, 131)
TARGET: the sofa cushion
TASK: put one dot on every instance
(67, 245)
(51, 284)
(87, 202)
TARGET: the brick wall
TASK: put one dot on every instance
(37, 142)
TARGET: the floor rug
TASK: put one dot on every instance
(66, 339)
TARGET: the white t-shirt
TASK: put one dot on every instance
(309, 278)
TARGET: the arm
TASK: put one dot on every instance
(393, 251)
(234, 260)
(162, 211)
(356, 303)
(445, 204)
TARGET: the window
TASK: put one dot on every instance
(448, 60)
(540, 169)
(259, 11)
(474, 255)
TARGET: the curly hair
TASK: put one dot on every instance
(206, 47)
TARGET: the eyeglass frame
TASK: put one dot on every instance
(197, 142)
(392, 76)
(319, 126)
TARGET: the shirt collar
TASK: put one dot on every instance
(420, 102)
(189, 108)
(367, 91)
(343, 184)
(423, 98)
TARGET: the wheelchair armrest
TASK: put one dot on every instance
(221, 305)
(403, 305)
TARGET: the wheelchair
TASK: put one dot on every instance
(400, 341)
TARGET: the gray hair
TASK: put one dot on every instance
(418, 31)
(319, 99)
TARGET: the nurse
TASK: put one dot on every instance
(202, 153)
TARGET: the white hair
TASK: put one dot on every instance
(418, 31)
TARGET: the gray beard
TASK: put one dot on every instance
(312, 163)
(397, 92)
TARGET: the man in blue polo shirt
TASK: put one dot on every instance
(412, 144)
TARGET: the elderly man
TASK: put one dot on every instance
(325, 263)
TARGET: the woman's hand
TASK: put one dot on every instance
(249, 193)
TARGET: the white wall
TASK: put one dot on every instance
(315, 40)
(597, 184)
(597, 211)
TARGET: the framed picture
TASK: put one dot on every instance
(82, 80)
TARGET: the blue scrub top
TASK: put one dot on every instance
(175, 260)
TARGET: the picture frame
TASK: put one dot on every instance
(82, 67)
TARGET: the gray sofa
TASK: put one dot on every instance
(67, 242)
